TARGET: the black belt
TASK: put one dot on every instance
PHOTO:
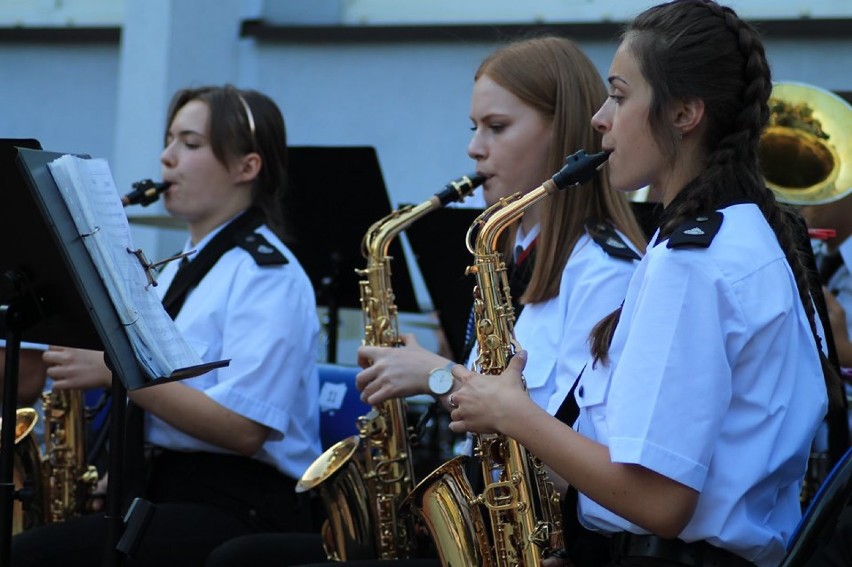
(695, 554)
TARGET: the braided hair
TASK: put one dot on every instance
(699, 49)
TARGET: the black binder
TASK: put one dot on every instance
(52, 293)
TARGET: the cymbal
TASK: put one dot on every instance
(158, 221)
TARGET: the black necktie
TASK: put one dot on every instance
(520, 273)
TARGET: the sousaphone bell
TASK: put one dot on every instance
(805, 150)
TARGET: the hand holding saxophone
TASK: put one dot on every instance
(488, 403)
(395, 372)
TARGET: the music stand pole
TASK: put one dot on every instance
(329, 290)
(115, 489)
(15, 316)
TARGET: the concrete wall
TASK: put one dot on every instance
(78, 91)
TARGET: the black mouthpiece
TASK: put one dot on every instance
(579, 167)
(460, 188)
(144, 193)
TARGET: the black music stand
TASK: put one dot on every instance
(335, 195)
(52, 293)
(438, 242)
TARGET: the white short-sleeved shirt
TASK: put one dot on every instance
(840, 283)
(714, 381)
(264, 319)
(555, 332)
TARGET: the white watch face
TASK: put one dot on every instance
(440, 381)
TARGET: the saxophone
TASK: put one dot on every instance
(524, 523)
(361, 496)
(67, 479)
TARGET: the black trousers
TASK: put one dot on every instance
(201, 500)
(280, 550)
(291, 550)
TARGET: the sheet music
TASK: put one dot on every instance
(89, 192)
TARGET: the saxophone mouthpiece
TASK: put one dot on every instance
(579, 167)
(458, 189)
(144, 193)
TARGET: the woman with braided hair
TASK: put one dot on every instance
(703, 392)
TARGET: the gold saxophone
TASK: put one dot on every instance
(361, 496)
(524, 523)
(27, 508)
(67, 479)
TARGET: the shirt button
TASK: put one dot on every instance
(580, 391)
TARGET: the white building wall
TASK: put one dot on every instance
(409, 100)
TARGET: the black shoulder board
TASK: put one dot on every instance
(698, 232)
(605, 235)
(264, 253)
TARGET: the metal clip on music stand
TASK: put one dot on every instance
(53, 294)
(335, 194)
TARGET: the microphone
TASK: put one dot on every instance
(144, 193)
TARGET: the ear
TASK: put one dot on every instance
(688, 114)
(247, 167)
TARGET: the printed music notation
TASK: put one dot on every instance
(89, 192)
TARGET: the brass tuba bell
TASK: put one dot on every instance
(805, 151)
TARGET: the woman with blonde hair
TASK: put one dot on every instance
(570, 257)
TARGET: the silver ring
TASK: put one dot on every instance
(452, 402)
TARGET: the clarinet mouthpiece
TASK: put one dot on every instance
(144, 193)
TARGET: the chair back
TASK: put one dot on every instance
(820, 521)
(340, 403)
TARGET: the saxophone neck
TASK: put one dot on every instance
(579, 168)
(486, 229)
(377, 239)
(379, 236)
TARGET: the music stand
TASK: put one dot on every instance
(53, 294)
(335, 195)
(438, 243)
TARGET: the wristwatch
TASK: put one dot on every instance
(441, 379)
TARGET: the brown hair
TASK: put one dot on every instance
(555, 77)
(241, 122)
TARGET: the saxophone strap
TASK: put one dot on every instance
(239, 232)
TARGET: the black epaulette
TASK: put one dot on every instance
(264, 253)
(697, 232)
(605, 235)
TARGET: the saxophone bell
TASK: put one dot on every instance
(516, 520)
(144, 193)
(362, 480)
